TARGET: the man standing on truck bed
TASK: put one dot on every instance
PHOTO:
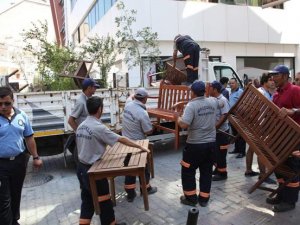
(14, 129)
(190, 51)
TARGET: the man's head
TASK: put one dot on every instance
(6, 101)
(233, 84)
(224, 81)
(215, 88)
(89, 86)
(94, 105)
(141, 95)
(266, 81)
(177, 36)
(297, 79)
(280, 75)
(198, 88)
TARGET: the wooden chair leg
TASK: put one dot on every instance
(176, 136)
(112, 190)
(150, 160)
(144, 189)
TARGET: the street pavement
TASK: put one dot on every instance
(57, 202)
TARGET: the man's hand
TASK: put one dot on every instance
(296, 154)
(144, 149)
(285, 111)
(37, 163)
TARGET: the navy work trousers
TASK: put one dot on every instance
(107, 215)
(12, 175)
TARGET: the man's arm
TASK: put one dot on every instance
(128, 142)
(174, 57)
(182, 124)
(31, 145)
(72, 123)
(221, 120)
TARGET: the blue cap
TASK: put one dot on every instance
(141, 93)
(217, 85)
(198, 87)
(280, 69)
(89, 82)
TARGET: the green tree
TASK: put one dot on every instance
(135, 44)
(102, 51)
(50, 58)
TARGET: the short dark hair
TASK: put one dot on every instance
(93, 104)
(265, 78)
(224, 80)
(6, 91)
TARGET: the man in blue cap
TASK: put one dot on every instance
(199, 118)
(79, 112)
(287, 98)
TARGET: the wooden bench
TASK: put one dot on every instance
(168, 96)
(119, 160)
(272, 135)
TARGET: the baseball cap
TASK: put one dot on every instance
(217, 85)
(280, 69)
(198, 87)
(89, 82)
(141, 93)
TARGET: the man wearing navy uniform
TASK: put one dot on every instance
(190, 51)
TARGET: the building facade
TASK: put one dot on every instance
(242, 33)
(14, 20)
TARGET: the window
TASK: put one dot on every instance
(224, 71)
(94, 15)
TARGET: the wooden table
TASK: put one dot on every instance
(120, 160)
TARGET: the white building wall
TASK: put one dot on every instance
(13, 22)
(227, 30)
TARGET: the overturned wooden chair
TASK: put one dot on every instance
(272, 135)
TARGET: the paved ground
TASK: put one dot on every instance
(58, 201)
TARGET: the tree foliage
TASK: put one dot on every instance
(102, 51)
(50, 57)
(135, 44)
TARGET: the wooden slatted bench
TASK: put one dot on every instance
(168, 96)
(119, 160)
(272, 135)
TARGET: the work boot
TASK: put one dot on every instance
(273, 201)
(186, 201)
(283, 207)
(269, 181)
(240, 155)
(131, 196)
(203, 204)
(251, 174)
(151, 190)
(219, 177)
(215, 171)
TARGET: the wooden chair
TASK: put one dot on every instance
(272, 135)
(168, 96)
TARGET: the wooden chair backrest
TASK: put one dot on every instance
(171, 94)
(273, 135)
